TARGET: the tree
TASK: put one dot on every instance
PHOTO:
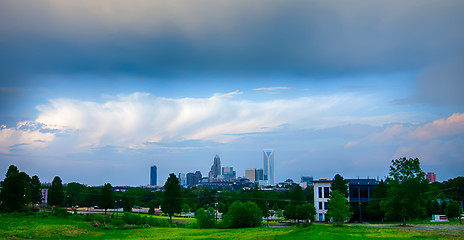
(106, 197)
(452, 209)
(406, 197)
(242, 215)
(15, 190)
(205, 218)
(374, 207)
(340, 184)
(76, 194)
(36, 194)
(172, 202)
(338, 207)
(305, 212)
(55, 193)
(297, 198)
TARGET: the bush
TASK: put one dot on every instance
(242, 215)
(205, 218)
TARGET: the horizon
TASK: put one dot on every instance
(97, 92)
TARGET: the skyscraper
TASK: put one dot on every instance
(153, 175)
(216, 168)
(250, 174)
(269, 166)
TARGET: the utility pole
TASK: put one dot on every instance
(267, 213)
(460, 209)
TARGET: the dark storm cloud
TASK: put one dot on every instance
(153, 39)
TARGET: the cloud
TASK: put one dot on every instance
(351, 144)
(271, 89)
(207, 37)
(132, 121)
(453, 125)
(26, 135)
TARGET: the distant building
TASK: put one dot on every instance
(153, 175)
(44, 192)
(269, 166)
(193, 178)
(228, 173)
(307, 179)
(182, 179)
(432, 177)
(250, 174)
(259, 174)
(216, 168)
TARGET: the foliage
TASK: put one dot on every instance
(340, 184)
(15, 190)
(77, 194)
(338, 207)
(107, 198)
(407, 193)
(242, 215)
(55, 193)
(297, 198)
(36, 194)
(374, 207)
(127, 204)
(205, 218)
(305, 212)
(172, 202)
(452, 209)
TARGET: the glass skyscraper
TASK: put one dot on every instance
(153, 175)
(269, 166)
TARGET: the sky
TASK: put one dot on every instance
(98, 91)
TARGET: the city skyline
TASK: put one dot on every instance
(96, 92)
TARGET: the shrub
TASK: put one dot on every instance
(205, 218)
(243, 215)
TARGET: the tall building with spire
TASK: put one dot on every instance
(216, 168)
(269, 166)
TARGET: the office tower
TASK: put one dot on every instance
(228, 173)
(197, 177)
(259, 174)
(216, 168)
(191, 179)
(153, 175)
(250, 174)
(269, 166)
(182, 179)
(432, 177)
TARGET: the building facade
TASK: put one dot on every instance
(153, 175)
(321, 197)
(432, 177)
(182, 179)
(268, 155)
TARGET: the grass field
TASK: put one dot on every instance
(24, 227)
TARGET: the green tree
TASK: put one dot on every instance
(297, 198)
(305, 212)
(338, 208)
(407, 193)
(127, 204)
(36, 194)
(374, 207)
(242, 215)
(340, 184)
(55, 193)
(205, 218)
(106, 197)
(452, 209)
(172, 202)
(15, 191)
(76, 194)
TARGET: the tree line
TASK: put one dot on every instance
(405, 194)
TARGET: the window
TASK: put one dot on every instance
(320, 192)
(320, 205)
(326, 192)
(325, 205)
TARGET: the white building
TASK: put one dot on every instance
(322, 188)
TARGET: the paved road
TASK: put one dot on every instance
(418, 226)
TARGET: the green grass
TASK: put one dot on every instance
(18, 226)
